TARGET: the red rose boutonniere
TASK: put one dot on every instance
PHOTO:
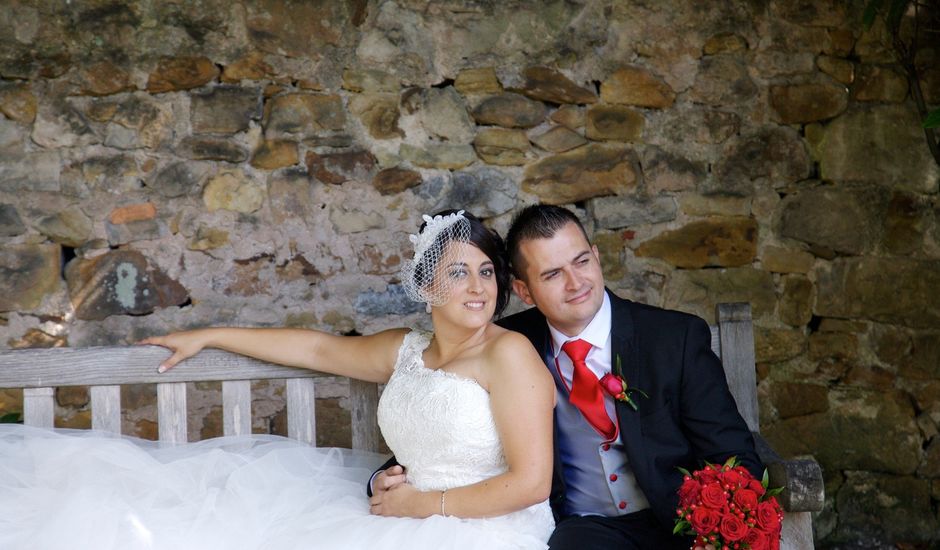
(725, 507)
(614, 384)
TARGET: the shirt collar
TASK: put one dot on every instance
(595, 333)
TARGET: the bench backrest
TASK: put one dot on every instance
(105, 369)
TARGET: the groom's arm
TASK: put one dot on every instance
(388, 464)
(710, 415)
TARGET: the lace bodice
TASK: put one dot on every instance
(438, 424)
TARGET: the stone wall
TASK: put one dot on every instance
(166, 165)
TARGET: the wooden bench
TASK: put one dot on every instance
(105, 369)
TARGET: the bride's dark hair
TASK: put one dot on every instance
(490, 243)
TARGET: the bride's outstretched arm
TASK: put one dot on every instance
(522, 396)
(370, 358)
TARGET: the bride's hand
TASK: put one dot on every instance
(403, 500)
(182, 344)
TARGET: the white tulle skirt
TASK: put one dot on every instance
(75, 489)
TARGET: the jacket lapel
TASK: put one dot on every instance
(624, 346)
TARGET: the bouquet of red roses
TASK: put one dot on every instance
(724, 507)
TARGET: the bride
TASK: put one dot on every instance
(467, 410)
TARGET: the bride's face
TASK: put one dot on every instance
(470, 278)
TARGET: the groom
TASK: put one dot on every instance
(616, 465)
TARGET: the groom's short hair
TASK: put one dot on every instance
(536, 221)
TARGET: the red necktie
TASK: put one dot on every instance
(586, 392)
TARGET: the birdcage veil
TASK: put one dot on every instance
(418, 275)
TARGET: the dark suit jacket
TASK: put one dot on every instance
(690, 416)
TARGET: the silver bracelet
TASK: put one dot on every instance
(442, 502)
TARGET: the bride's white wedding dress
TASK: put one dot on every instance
(76, 489)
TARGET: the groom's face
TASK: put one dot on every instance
(563, 278)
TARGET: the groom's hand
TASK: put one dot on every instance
(386, 479)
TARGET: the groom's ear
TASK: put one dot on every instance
(522, 291)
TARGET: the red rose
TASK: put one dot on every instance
(732, 528)
(756, 486)
(704, 520)
(688, 492)
(745, 499)
(731, 478)
(707, 474)
(768, 516)
(614, 385)
(757, 540)
(713, 496)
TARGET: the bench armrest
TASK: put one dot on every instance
(801, 479)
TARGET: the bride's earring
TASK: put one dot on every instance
(427, 308)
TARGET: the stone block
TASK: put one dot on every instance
(11, 224)
(786, 260)
(839, 346)
(233, 190)
(550, 85)
(395, 180)
(697, 291)
(637, 86)
(802, 103)
(881, 144)
(697, 205)
(178, 179)
(303, 30)
(28, 272)
(726, 42)
(879, 84)
(133, 213)
(210, 148)
(667, 171)
(905, 225)
(806, 216)
(478, 81)
(776, 155)
(120, 282)
(208, 238)
(70, 227)
(250, 67)
(225, 110)
(569, 116)
(379, 113)
(583, 173)
(796, 301)
(722, 80)
(931, 466)
(59, 123)
(393, 301)
(181, 73)
(610, 246)
(614, 123)
(924, 360)
(350, 220)
(795, 399)
(304, 114)
(17, 102)
(509, 110)
(35, 338)
(103, 78)
(72, 396)
(558, 139)
(625, 211)
(370, 80)
(841, 438)
(775, 345)
(866, 288)
(715, 242)
(875, 508)
(485, 191)
(139, 230)
(501, 146)
(842, 70)
(274, 154)
(443, 113)
(337, 168)
(438, 155)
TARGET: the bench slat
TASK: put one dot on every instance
(301, 414)
(106, 408)
(119, 365)
(39, 407)
(236, 407)
(737, 356)
(364, 399)
(171, 413)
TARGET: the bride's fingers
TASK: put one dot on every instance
(171, 362)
